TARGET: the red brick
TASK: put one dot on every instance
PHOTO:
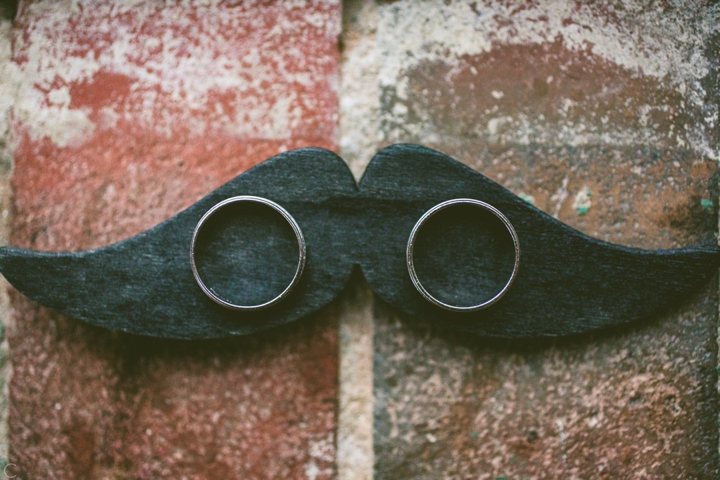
(127, 115)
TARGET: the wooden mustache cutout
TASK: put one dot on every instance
(567, 282)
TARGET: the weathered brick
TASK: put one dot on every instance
(552, 99)
(127, 113)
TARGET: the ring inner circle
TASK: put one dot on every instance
(464, 255)
(246, 253)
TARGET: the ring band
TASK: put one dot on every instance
(301, 247)
(411, 261)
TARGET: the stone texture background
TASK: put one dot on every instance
(116, 115)
(125, 114)
(564, 104)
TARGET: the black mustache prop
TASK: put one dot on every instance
(567, 282)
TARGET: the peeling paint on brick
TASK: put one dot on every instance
(659, 47)
(548, 110)
(129, 112)
(135, 56)
(9, 84)
(230, 84)
(579, 408)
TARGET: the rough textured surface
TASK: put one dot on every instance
(106, 86)
(360, 89)
(532, 94)
(144, 285)
(127, 113)
(636, 403)
(569, 283)
(552, 100)
(359, 121)
(87, 403)
(551, 72)
(8, 87)
(355, 459)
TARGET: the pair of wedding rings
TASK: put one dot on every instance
(302, 255)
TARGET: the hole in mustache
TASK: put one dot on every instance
(247, 253)
(464, 255)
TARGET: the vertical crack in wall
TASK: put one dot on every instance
(359, 114)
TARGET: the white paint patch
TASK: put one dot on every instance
(583, 201)
(663, 43)
(649, 40)
(9, 83)
(495, 123)
(563, 446)
(60, 123)
(560, 196)
(322, 450)
(185, 64)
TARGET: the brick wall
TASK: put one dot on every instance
(126, 114)
(116, 115)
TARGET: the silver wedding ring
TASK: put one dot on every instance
(301, 248)
(411, 260)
